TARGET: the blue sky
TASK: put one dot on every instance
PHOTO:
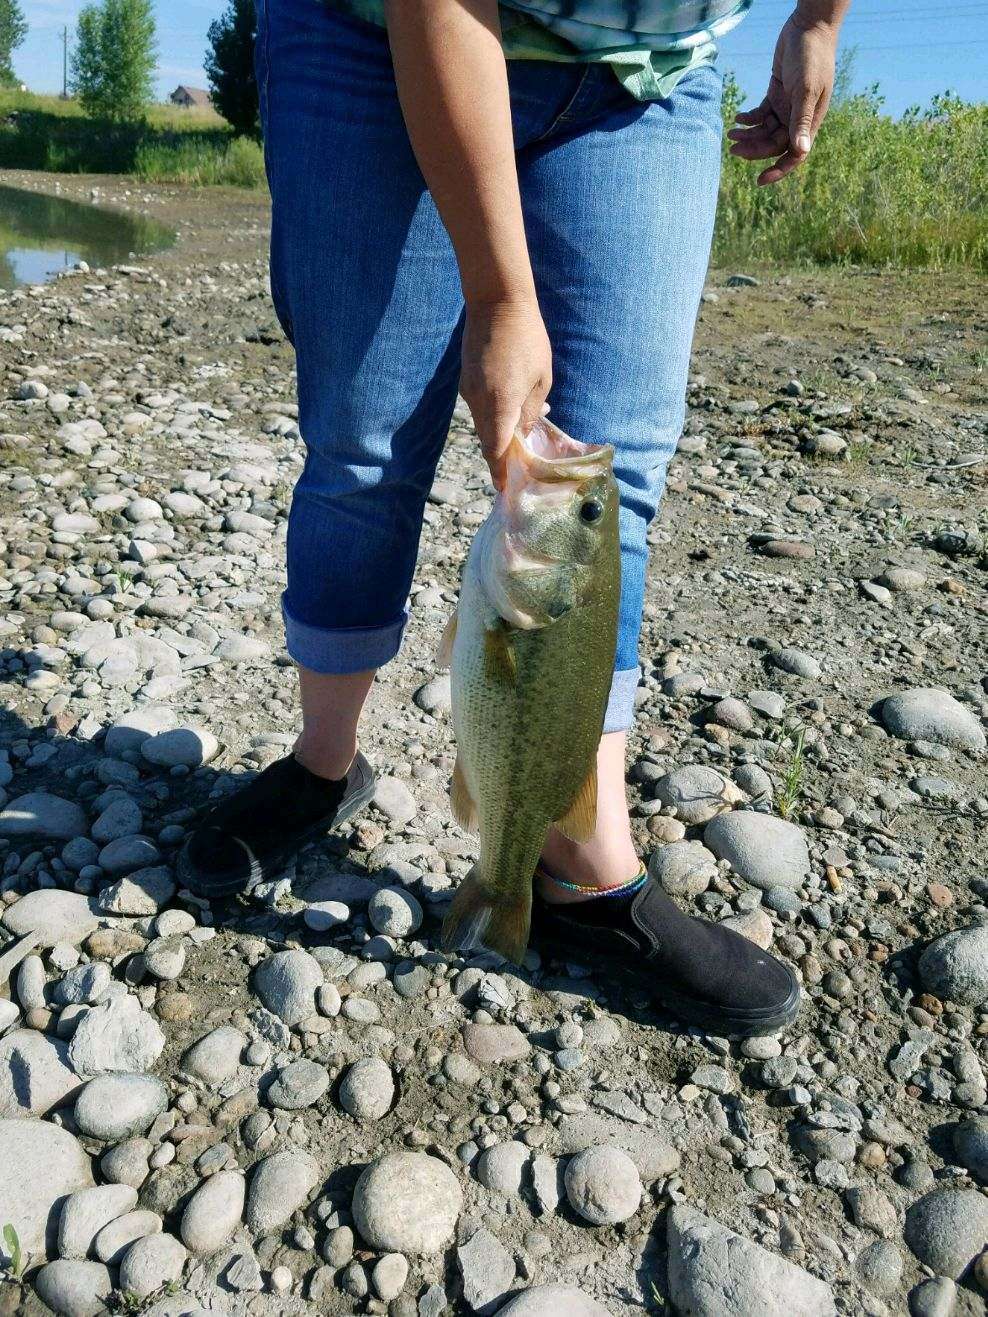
(913, 48)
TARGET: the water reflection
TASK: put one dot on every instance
(40, 235)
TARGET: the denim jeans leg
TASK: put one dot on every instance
(366, 285)
(619, 210)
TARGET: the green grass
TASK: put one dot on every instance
(908, 193)
(170, 145)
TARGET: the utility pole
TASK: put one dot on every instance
(65, 63)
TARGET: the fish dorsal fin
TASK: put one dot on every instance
(579, 823)
(464, 809)
(444, 655)
(499, 654)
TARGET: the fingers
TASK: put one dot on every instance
(753, 118)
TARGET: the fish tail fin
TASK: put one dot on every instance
(477, 919)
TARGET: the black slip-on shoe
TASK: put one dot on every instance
(703, 974)
(250, 836)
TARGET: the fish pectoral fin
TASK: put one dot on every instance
(499, 655)
(444, 654)
(579, 823)
(464, 807)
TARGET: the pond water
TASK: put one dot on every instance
(41, 235)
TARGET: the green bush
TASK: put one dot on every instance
(875, 191)
(201, 161)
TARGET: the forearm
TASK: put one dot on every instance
(821, 13)
(453, 85)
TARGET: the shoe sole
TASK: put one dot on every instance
(216, 888)
(687, 1010)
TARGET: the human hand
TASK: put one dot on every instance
(799, 91)
(506, 374)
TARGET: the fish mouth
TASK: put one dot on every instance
(549, 454)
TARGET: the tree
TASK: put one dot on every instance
(13, 30)
(229, 65)
(114, 61)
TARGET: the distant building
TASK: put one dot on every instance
(190, 98)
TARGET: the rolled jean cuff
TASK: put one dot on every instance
(620, 712)
(343, 649)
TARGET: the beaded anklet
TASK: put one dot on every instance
(623, 889)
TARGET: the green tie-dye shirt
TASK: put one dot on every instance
(648, 74)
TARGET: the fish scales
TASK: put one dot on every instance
(532, 661)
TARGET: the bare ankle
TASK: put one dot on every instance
(329, 761)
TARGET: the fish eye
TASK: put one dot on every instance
(591, 510)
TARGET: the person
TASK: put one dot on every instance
(515, 200)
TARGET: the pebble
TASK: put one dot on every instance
(368, 1089)
(947, 1228)
(955, 966)
(43, 815)
(151, 1263)
(553, 1301)
(926, 714)
(115, 1240)
(186, 747)
(407, 1202)
(299, 1085)
(492, 1043)
(395, 912)
(501, 1168)
(393, 798)
(971, 1146)
(118, 1106)
(684, 868)
(215, 1058)
(118, 1035)
(763, 850)
(59, 1167)
(696, 793)
(286, 983)
(53, 916)
(36, 1074)
(279, 1185)
(487, 1270)
(74, 1289)
(603, 1185)
(797, 663)
(213, 1212)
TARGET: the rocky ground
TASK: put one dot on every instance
(295, 1104)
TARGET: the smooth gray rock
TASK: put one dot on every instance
(280, 1184)
(971, 1146)
(927, 714)
(407, 1202)
(696, 793)
(84, 1214)
(684, 868)
(36, 1075)
(393, 798)
(761, 849)
(115, 1239)
(714, 1272)
(116, 1036)
(42, 815)
(955, 966)
(603, 1186)
(213, 1212)
(553, 1301)
(134, 728)
(150, 1263)
(797, 663)
(395, 912)
(947, 1228)
(879, 1266)
(501, 1168)
(117, 1106)
(54, 915)
(74, 1289)
(216, 1056)
(286, 983)
(33, 1203)
(187, 747)
(368, 1089)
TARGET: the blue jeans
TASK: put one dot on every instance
(619, 201)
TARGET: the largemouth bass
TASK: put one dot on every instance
(531, 647)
